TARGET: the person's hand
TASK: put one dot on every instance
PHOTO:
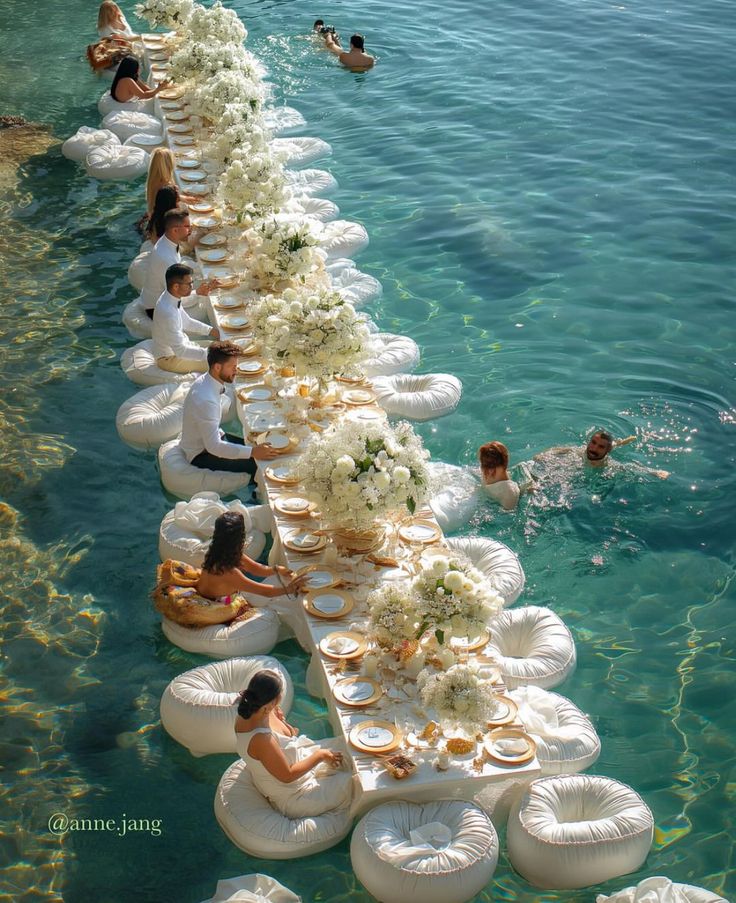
(332, 758)
(284, 572)
(264, 453)
(204, 288)
(662, 474)
(296, 586)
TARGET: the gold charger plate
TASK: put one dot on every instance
(510, 733)
(382, 729)
(186, 162)
(507, 712)
(471, 644)
(279, 474)
(145, 140)
(319, 576)
(293, 542)
(206, 222)
(171, 93)
(192, 175)
(281, 449)
(251, 367)
(325, 609)
(420, 531)
(229, 307)
(255, 393)
(212, 240)
(213, 255)
(180, 128)
(183, 141)
(340, 691)
(202, 207)
(358, 397)
(235, 323)
(355, 651)
(281, 504)
(351, 380)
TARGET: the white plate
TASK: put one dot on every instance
(188, 163)
(496, 748)
(278, 440)
(205, 222)
(272, 421)
(234, 322)
(418, 532)
(198, 190)
(296, 504)
(193, 175)
(144, 140)
(282, 472)
(177, 116)
(156, 57)
(319, 579)
(259, 394)
(328, 603)
(184, 141)
(374, 736)
(212, 240)
(261, 407)
(250, 367)
(360, 396)
(357, 691)
(368, 415)
(214, 255)
(171, 105)
(201, 208)
(309, 541)
(180, 129)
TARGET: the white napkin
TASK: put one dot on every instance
(510, 746)
(434, 834)
(358, 691)
(253, 889)
(652, 890)
(342, 644)
(538, 714)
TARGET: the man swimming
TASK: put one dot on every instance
(356, 57)
(596, 452)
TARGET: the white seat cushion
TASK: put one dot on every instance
(353, 285)
(661, 890)
(153, 415)
(107, 104)
(298, 151)
(340, 238)
(532, 646)
(137, 320)
(183, 479)
(139, 365)
(254, 888)
(391, 354)
(418, 397)
(496, 561)
(114, 161)
(281, 119)
(84, 140)
(309, 181)
(256, 636)
(127, 122)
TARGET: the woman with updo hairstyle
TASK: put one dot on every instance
(494, 462)
(225, 564)
(281, 763)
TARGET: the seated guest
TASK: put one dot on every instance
(165, 253)
(225, 564)
(166, 199)
(111, 22)
(203, 442)
(282, 764)
(161, 175)
(494, 462)
(171, 347)
(127, 85)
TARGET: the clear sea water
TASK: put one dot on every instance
(550, 195)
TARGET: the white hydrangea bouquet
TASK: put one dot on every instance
(283, 251)
(253, 185)
(229, 88)
(453, 598)
(460, 697)
(164, 13)
(362, 471)
(197, 61)
(215, 24)
(241, 138)
(392, 617)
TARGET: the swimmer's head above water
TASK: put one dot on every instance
(599, 445)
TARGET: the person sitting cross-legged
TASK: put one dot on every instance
(203, 442)
(171, 347)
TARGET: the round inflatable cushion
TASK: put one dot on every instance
(391, 354)
(137, 320)
(297, 151)
(418, 397)
(153, 415)
(139, 365)
(255, 636)
(309, 181)
(341, 237)
(128, 122)
(353, 285)
(318, 208)
(281, 119)
(183, 479)
(661, 890)
(531, 646)
(106, 104)
(254, 888)
(115, 161)
(84, 140)
(137, 268)
(496, 561)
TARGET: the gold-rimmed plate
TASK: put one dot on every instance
(319, 577)
(235, 322)
(228, 302)
(505, 712)
(368, 415)
(357, 691)
(177, 116)
(375, 737)
(305, 542)
(157, 56)
(187, 163)
(170, 105)
(510, 746)
(256, 394)
(212, 240)
(280, 442)
(354, 380)
(419, 530)
(227, 278)
(200, 189)
(146, 140)
(203, 207)
(213, 255)
(171, 93)
(192, 175)
(247, 346)
(328, 603)
(343, 644)
(251, 368)
(470, 643)
(358, 397)
(294, 506)
(282, 474)
(180, 128)
(183, 141)
(206, 222)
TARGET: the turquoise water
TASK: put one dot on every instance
(550, 196)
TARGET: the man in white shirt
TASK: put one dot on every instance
(203, 442)
(171, 347)
(165, 253)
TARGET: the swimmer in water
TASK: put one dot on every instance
(595, 453)
(356, 57)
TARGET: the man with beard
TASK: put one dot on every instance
(203, 442)
(595, 453)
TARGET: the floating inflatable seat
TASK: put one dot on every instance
(137, 268)
(661, 890)
(391, 354)
(318, 208)
(183, 479)
(575, 830)
(456, 494)
(298, 151)
(440, 852)
(566, 740)
(186, 531)
(111, 162)
(309, 181)
(282, 119)
(152, 416)
(495, 560)
(254, 888)
(341, 237)
(107, 104)
(256, 636)
(198, 708)
(129, 122)
(532, 646)
(137, 320)
(356, 287)
(139, 365)
(418, 397)
(254, 826)
(86, 139)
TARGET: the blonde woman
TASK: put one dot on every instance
(161, 175)
(111, 23)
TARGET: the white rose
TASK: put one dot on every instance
(454, 581)
(382, 480)
(345, 464)
(402, 474)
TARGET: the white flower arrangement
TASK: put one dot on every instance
(359, 472)
(459, 696)
(245, 136)
(253, 185)
(453, 598)
(213, 96)
(197, 61)
(215, 24)
(164, 13)
(283, 250)
(392, 617)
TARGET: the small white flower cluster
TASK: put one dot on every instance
(164, 13)
(391, 614)
(360, 472)
(283, 250)
(252, 185)
(453, 598)
(216, 24)
(197, 61)
(227, 88)
(459, 696)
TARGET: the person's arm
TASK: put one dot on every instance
(197, 327)
(208, 417)
(138, 89)
(266, 589)
(260, 570)
(556, 450)
(332, 46)
(617, 443)
(265, 748)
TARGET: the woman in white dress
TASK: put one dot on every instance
(299, 777)
(494, 462)
(111, 22)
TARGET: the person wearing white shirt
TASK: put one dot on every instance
(494, 462)
(172, 349)
(165, 253)
(203, 442)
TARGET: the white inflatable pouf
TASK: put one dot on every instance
(107, 104)
(576, 830)
(198, 708)
(281, 119)
(128, 122)
(531, 646)
(115, 161)
(254, 826)
(86, 139)
(418, 397)
(318, 208)
(391, 354)
(341, 237)
(184, 479)
(139, 365)
(353, 285)
(186, 531)
(256, 636)
(661, 890)
(254, 888)
(440, 852)
(136, 319)
(137, 268)
(566, 739)
(495, 560)
(309, 181)
(297, 151)
(153, 415)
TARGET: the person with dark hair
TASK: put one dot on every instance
(204, 444)
(356, 57)
(173, 350)
(166, 199)
(281, 764)
(595, 452)
(225, 564)
(127, 85)
(494, 461)
(319, 24)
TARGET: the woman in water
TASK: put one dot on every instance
(111, 23)
(127, 87)
(494, 462)
(282, 764)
